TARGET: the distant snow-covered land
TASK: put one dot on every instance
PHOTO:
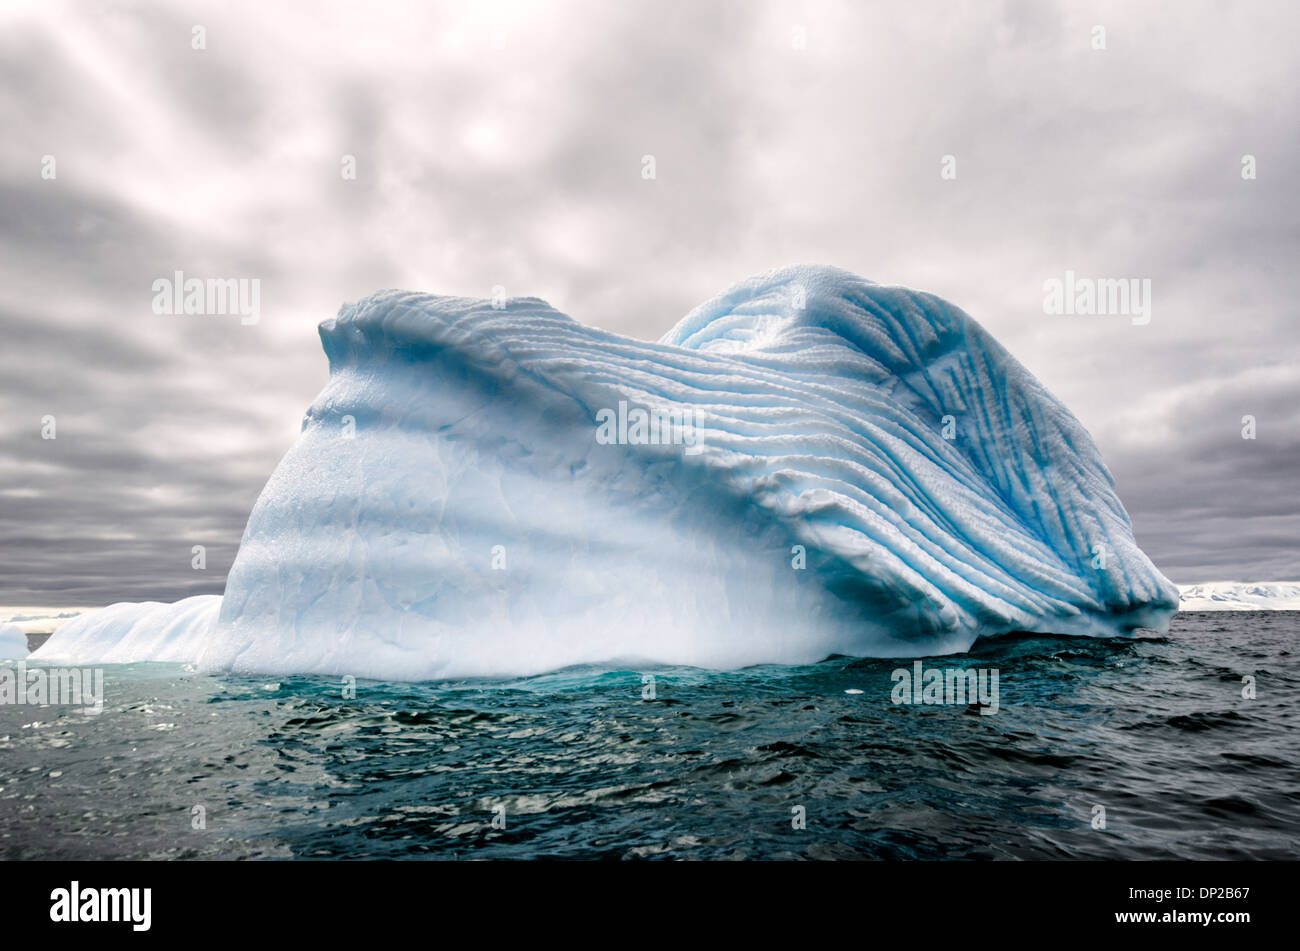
(1240, 596)
(39, 620)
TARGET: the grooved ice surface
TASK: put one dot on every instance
(819, 399)
(449, 510)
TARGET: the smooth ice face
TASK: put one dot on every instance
(133, 631)
(833, 466)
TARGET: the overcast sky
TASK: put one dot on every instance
(502, 144)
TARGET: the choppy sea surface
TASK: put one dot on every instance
(1114, 749)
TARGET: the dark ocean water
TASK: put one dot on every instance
(1154, 731)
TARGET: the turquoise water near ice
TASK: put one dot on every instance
(1156, 731)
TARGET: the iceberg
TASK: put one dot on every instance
(13, 642)
(134, 631)
(808, 464)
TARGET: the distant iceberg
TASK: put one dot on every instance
(13, 642)
(808, 464)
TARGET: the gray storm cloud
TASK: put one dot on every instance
(503, 144)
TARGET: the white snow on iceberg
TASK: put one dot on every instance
(130, 632)
(1240, 596)
(871, 474)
